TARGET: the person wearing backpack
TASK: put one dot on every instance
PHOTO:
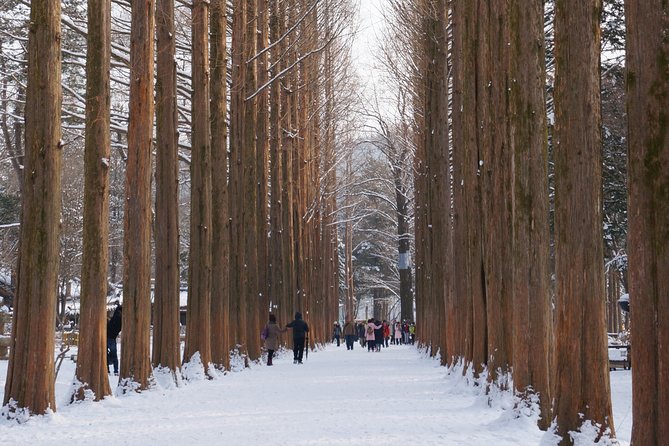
(270, 334)
(369, 334)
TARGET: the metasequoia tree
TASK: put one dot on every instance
(582, 389)
(532, 321)
(494, 172)
(91, 370)
(437, 170)
(220, 226)
(30, 374)
(166, 337)
(466, 312)
(648, 158)
(135, 371)
(198, 326)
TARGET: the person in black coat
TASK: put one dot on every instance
(300, 330)
(113, 329)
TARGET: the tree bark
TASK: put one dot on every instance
(532, 322)
(135, 337)
(91, 371)
(582, 387)
(166, 334)
(648, 150)
(220, 298)
(198, 325)
(30, 374)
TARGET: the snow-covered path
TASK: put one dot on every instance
(337, 397)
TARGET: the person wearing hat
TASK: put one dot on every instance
(300, 330)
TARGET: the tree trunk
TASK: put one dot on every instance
(220, 298)
(237, 317)
(91, 369)
(198, 326)
(438, 172)
(251, 177)
(166, 333)
(135, 337)
(30, 374)
(582, 387)
(532, 320)
(648, 149)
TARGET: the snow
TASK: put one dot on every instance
(337, 397)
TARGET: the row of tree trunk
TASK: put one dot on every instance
(483, 286)
(262, 218)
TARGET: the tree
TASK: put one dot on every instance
(582, 385)
(91, 371)
(220, 248)
(30, 375)
(135, 358)
(532, 321)
(166, 336)
(648, 150)
(198, 326)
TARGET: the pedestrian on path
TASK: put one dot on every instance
(114, 326)
(370, 336)
(361, 334)
(300, 330)
(336, 333)
(349, 334)
(271, 334)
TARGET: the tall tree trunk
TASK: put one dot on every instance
(220, 289)
(262, 166)
(250, 269)
(198, 324)
(237, 315)
(582, 387)
(494, 173)
(532, 322)
(276, 253)
(30, 374)
(135, 337)
(648, 243)
(166, 333)
(437, 150)
(91, 369)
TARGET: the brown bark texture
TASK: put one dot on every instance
(30, 374)
(198, 325)
(91, 371)
(532, 322)
(220, 249)
(582, 385)
(166, 334)
(135, 372)
(648, 242)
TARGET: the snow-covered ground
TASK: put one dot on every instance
(337, 397)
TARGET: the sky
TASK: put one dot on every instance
(337, 397)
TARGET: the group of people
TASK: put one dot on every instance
(374, 334)
(270, 334)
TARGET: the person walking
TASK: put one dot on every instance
(386, 332)
(114, 325)
(270, 335)
(349, 334)
(361, 334)
(336, 333)
(300, 330)
(398, 333)
(370, 336)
